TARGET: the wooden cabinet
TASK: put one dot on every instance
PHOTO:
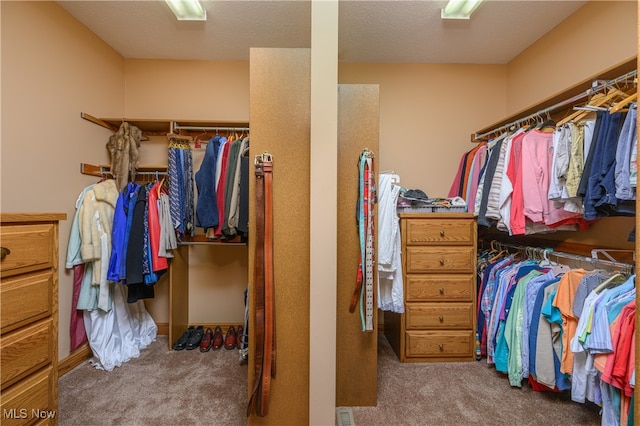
(439, 263)
(29, 318)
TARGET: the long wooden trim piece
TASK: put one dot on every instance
(98, 121)
(76, 358)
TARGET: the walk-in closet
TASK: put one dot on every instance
(380, 228)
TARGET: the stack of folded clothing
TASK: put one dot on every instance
(417, 200)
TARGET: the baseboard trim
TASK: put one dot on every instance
(77, 357)
(163, 328)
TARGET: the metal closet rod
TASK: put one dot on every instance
(560, 104)
(196, 128)
(570, 256)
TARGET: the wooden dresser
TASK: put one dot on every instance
(439, 264)
(29, 318)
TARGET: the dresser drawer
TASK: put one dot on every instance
(440, 231)
(439, 315)
(439, 344)
(437, 287)
(30, 246)
(440, 259)
(29, 400)
(24, 299)
(25, 351)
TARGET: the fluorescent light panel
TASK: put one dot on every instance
(187, 10)
(459, 9)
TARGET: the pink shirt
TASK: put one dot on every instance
(514, 172)
(537, 160)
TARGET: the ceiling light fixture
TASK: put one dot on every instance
(187, 10)
(459, 9)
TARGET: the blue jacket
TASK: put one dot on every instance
(119, 232)
(207, 204)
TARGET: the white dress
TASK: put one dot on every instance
(390, 284)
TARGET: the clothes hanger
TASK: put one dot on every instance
(623, 103)
(612, 281)
(596, 103)
(202, 137)
(548, 125)
(556, 268)
(596, 100)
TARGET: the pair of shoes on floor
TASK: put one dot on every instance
(234, 337)
(216, 339)
(190, 339)
(212, 339)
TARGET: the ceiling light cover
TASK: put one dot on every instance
(459, 9)
(187, 10)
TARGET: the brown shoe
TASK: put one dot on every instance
(231, 338)
(239, 336)
(207, 340)
(218, 338)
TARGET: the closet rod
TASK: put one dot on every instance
(196, 128)
(542, 112)
(614, 265)
(102, 171)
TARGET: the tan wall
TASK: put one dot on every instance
(195, 90)
(53, 68)
(598, 36)
(427, 114)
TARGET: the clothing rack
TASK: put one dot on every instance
(597, 86)
(545, 253)
(176, 126)
(103, 171)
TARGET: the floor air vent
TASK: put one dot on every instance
(344, 417)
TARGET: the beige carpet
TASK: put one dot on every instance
(469, 393)
(161, 387)
(164, 387)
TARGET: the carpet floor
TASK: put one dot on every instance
(164, 387)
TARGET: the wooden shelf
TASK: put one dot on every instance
(160, 127)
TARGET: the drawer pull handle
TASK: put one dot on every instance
(442, 233)
(4, 252)
(441, 290)
(441, 318)
(441, 346)
(441, 262)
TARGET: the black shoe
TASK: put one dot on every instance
(194, 340)
(181, 343)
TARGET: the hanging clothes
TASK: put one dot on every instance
(116, 330)
(390, 283)
(545, 180)
(560, 329)
(222, 187)
(180, 175)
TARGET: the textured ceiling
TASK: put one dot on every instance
(399, 31)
